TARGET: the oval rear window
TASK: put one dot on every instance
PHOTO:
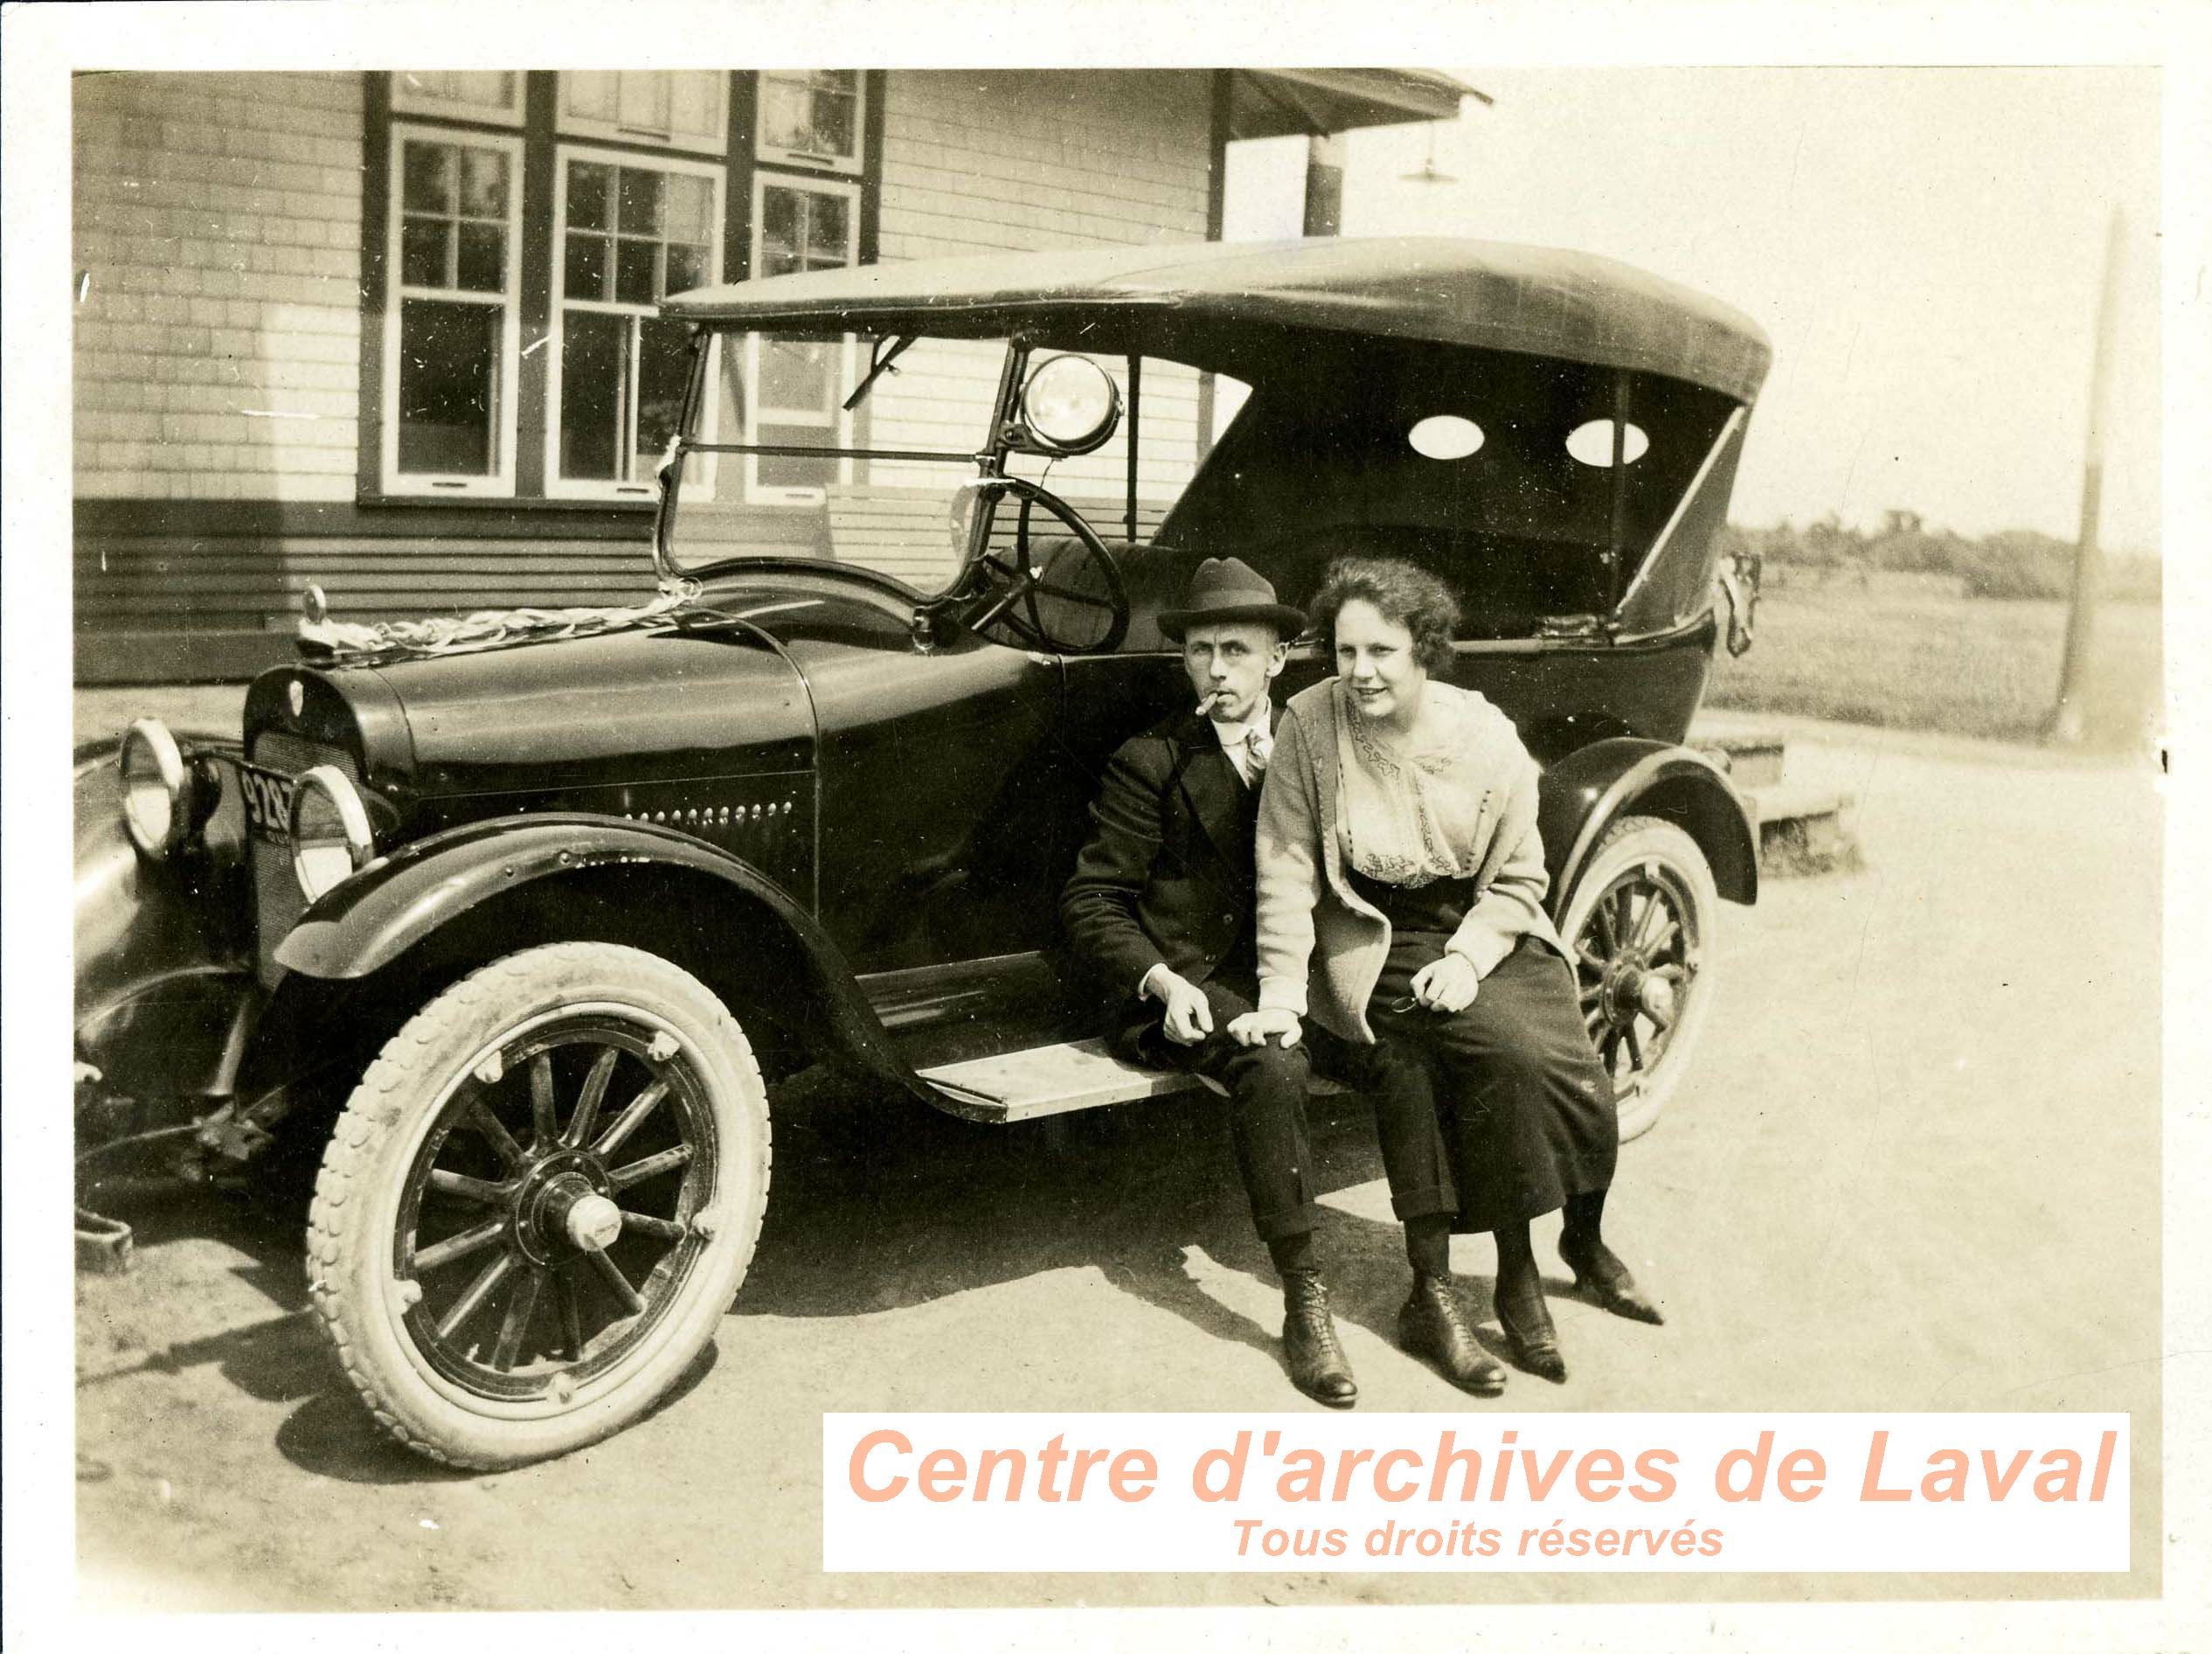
(1592, 443)
(1445, 436)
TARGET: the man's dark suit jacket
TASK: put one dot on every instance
(1167, 875)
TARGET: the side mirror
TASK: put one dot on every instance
(1070, 406)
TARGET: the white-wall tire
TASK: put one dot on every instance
(1644, 908)
(420, 1204)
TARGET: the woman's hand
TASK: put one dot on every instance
(1448, 984)
(1254, 1026)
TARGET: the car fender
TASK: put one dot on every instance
(164, 988)
(1588, 790)
(391, 905)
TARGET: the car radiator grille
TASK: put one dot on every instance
(278, 901)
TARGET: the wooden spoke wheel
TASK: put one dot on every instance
(539, 1202)
(1641, 926)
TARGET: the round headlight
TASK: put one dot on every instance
(153, 780)
(1071, 405)
(331, 836)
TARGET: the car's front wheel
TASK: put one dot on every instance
(539, 1203)
(1639, 925)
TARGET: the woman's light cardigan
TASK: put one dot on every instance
(1306, 904)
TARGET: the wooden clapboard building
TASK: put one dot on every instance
(395, 334)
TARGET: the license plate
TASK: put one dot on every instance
(269, 802)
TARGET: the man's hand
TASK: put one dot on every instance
(1254, 1027)
(1188, 1017)
(1448, 984)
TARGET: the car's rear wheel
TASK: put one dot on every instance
(539, 1203)
(1640, 926)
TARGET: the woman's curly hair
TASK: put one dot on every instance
(1403, 593)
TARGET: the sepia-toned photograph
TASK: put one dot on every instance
(755, 742)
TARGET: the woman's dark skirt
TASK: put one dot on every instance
(1497, 1113)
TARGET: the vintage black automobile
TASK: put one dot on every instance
(510, 919)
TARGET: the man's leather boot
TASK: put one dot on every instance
(1432, 1325)
(1316, 1359)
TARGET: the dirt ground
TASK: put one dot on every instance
(1916, 1168)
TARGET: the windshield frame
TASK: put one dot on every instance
(990, 460)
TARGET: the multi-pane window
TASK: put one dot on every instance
(796, 387)
(811, 117)
(524, 266)
(452, 327)
(462, 95)
(683, 109)
(803, 226)
(630, 230)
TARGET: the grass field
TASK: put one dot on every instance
(1915, 659)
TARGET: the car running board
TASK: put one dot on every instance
(1049, 1080)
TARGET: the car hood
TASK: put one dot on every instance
(733, 690)
(713, 699)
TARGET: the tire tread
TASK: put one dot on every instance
(377, 1105)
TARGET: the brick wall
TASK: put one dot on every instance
(217, 242)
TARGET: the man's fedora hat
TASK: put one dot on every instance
(1226, 589)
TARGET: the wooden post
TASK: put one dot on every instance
(1223, 120)
(2069, 722)
(1324, 183)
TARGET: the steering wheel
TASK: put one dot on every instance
(1081, 575)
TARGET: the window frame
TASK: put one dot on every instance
(527, 428)
(567, 125)
(501, 483)
(716, 173)
(768, 154)
(404, 104)
(839, 420)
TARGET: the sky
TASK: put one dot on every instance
(1923, 247)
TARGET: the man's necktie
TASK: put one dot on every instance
(1258, 747)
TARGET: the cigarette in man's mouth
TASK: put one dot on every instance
(1207, 700)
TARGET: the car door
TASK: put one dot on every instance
(938, 777)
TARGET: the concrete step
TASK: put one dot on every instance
(1795, 800)
(1803, 828)
(1752, 760)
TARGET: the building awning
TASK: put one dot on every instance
(1273, 103)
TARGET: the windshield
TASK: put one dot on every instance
(876, 485)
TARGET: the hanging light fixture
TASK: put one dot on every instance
(1428, 173)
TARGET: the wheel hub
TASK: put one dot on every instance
(1626, 983)
(564, 1209)
(573, 1211)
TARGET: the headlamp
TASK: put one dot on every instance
(1070, 406)
(156, 809)
(331, 840)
